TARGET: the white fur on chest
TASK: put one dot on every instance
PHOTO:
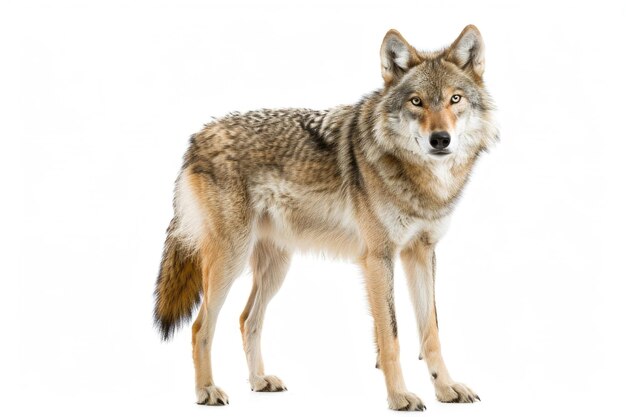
(402, 228)
(445, 180)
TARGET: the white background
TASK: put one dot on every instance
(98, 103)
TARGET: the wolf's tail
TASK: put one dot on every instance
(178, 286)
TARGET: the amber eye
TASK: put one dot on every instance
(416, 101)
(455, 99)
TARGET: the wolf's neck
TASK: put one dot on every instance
(436, 186)
(422, 190)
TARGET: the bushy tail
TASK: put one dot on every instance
(178, 286)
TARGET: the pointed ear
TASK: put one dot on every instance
(396, 57)
(468, 51)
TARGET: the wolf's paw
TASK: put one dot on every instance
(405, 401)
(267, 383)
(211, 395)
(455, 393)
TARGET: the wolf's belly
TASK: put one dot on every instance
(327, 222)
(341, 243)
(307, 219)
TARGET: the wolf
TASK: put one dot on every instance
(370, 182)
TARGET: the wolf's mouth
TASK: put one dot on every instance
(440, 153)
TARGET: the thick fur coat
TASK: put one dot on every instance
(367, 182)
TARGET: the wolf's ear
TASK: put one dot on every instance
(468, 51)
(396, 56)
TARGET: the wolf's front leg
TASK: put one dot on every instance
(419, 265)
(378, 269)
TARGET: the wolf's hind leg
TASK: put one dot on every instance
(201, 338)
(222, 263)
(269, 267)
(419, 265)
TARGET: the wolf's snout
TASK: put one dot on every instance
(440, 140)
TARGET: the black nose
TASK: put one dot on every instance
(439, 140)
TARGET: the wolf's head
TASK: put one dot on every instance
(434, 104)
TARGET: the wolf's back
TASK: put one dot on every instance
(178, 285)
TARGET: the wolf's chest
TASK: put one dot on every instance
(402, 228)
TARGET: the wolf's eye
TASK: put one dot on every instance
(416, 101)
(455, 99)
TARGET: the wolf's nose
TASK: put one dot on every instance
(440, 140)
